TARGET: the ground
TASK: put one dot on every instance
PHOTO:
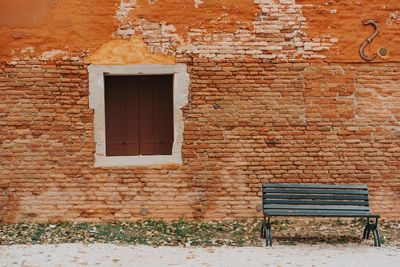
(326, 242)
(115, 255)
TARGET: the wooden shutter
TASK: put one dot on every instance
(146, 116)
(121, 108)
(163, 115)
(139, 115)
(132, 116)
(156, 115)
(115, 124)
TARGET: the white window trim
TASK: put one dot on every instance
(97, 100)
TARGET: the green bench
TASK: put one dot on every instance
(317, 200)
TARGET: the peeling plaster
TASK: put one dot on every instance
(125, 6)
(394, 18)
(303, 29)
(52, 54)
(133, 51)
(184, 15)
(197, 3)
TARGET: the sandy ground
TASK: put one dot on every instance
(113, 255)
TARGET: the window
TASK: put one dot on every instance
(138, 113)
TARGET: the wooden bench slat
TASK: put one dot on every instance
(327, 192)
(318, 213)
(316, 207)
(331, 197)
(317, 186)
(313, 202)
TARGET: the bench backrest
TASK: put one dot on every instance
(315, 197)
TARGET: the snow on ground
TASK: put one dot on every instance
(114, 255)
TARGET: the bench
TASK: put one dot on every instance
(317, 200)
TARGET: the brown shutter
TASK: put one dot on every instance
(115, 116)
(146, 115)
(132, 116)
(163, 114)
(139, 115)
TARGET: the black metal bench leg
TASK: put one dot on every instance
(377, 236)
(367, 230)
(372, 227)
(268, 233)
(262, 234)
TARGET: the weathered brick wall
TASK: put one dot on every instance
(268, 102)
(248, 121)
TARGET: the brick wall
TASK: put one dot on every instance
(248, 121)
(267, 103)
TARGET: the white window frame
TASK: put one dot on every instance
(97, 103)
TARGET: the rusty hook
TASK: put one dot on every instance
(369, 39)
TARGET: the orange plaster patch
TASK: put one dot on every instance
(343, 20)
(68, 25)
(133, 51)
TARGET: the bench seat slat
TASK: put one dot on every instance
(316, 207)
(319, 213)
(331, 197)
(317, 191)
(317, 186)
(313, 202)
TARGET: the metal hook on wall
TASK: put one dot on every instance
(369, 40)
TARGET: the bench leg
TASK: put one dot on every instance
(262, 234)
(375, 232)
(268, 233)
(367, 230)
(377, 235)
